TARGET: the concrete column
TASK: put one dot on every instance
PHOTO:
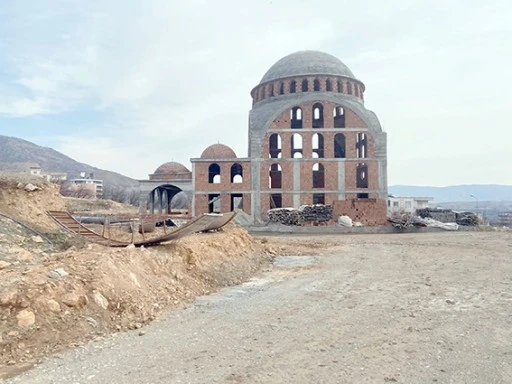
(256, 189)
(165, 202)
(296, 182)
(159, 201)
(341, 180)
(152, 202)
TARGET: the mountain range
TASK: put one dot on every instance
(19, 155)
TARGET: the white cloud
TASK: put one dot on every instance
(174, 77)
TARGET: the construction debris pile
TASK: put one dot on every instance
(305, 214)
(433, 217)
(449, 216)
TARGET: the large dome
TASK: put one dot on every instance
(171, 170)
(307, 63)
(218, 151)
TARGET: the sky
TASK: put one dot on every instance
(128, 85)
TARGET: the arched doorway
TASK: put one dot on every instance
(166, 198)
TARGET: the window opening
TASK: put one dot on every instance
(361, 146)
(318, 176)
(328, 85)
(317, 144)
(296, 117)
(316, 85)
(318, 115)
(318, 198)
(339, 117)
(305, 85)
(274, 146)
(362, 175)
(296, 146)
(237, 173)
(275, 176)
(213, 203)
(237, 201)
(339, 146)
(214, 174)
(293, 87)
(276, 200)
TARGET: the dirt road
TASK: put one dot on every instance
(428, 308)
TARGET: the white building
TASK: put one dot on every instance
(89, 182)
(407, 204)
(54, 177)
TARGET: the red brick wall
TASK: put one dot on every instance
(367, 211)
(224, 188)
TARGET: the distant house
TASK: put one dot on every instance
(407, 204)
(505, 219)
(53, 177)
(88, 183)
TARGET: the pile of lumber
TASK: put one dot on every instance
(467, 218)
(318, 213)
(286, 216)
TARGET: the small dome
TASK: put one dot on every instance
(171, 170)
(304, 63)
(218, 151)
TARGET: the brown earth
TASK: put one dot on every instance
(102, 290)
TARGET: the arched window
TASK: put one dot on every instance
(272, 90)
(274, 146)
(296, 117)
(237, 173)
(318, 176)
(356, 90)
(214, 173)
(316, 85)
(340, 86)
(281, 88)
(339, 117)
(274, 176)
(328, 85)
(349, 87)
(317, 144)
(305, 85)
(318, 115)
(296, 146)
(339, 145)
(262, 93)
(361, 145)
(293, 86)
(362, 175)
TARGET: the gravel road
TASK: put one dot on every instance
(423, 308)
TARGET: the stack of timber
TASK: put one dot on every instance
(467, 219)
(317, 213)
(286, 216)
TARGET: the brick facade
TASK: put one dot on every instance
(311, 140)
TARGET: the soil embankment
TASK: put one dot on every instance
(53, 299)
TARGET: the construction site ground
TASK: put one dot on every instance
(229, 307)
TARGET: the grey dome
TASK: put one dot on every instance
(307, 63)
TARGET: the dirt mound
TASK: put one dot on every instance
(51, 300)
(28, 198)
(70, 297)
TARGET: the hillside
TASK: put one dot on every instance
(18, 155)
(456, 193)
